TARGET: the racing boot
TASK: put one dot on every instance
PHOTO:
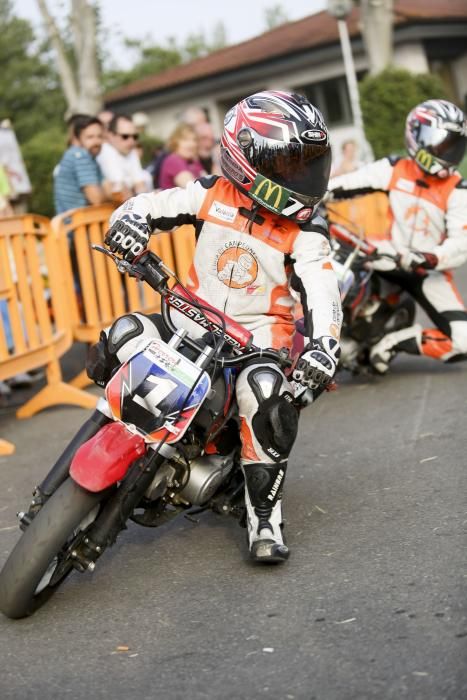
(406, 340)
(263, 493)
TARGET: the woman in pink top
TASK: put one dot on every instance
(182, 165)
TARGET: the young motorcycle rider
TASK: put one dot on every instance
(257, 235)
(427, 229)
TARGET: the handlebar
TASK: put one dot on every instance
(358, 251)
(381, 256)
(253, 354)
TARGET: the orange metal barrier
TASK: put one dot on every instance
(32, 284)
(6, 448)
(183, 240)
(367, 215)
(59, 290)
(96, 292)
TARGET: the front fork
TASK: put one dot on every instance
(61, 468)
(118, 508)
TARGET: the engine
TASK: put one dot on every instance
(206, 475)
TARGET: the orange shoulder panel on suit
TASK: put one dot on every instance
(219, 207)
(406, 171)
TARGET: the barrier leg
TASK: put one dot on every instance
(56, 392)
(6, 448)
(81, 380)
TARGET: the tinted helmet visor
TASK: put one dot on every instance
(448, 146)
(302, 169)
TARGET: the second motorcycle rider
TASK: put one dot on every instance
(258, 237)
(427, 228)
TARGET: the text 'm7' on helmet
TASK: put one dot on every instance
(435, 136)
(275, 148)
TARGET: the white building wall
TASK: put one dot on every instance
(412, 57)
(162, 120)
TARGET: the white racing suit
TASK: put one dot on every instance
(246, 260)
(427, 214)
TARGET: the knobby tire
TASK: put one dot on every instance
(43, 540)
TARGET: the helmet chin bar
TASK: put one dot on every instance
(294, 210)
(301, 214)
(297, 211)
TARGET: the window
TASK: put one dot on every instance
(332, 98)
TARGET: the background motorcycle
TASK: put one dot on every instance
(367, 315)
(164, 439)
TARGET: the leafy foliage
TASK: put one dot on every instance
(41, 154)
(387, 98)
(152, 59)
(31, 98)
(150, 146)
(33, 102)
(197, 44)
(274, 16)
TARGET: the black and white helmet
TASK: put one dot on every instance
(275, 149)
(435, 136)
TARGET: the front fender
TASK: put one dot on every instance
(106, 457)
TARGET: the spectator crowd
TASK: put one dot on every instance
(103, 161)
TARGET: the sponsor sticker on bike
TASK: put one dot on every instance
(173, 362)
(158, 391)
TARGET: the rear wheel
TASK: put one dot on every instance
(41, 560)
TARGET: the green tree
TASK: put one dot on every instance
(32, 100)
(29, 91)
(151, 59)
(76, 54)
(41, 154)
(274, 16)
(387, 98)
(197, 44)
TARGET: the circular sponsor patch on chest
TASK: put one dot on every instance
(237, 267)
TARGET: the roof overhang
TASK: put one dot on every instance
(259, 72)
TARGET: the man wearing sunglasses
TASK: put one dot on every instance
(119, 159)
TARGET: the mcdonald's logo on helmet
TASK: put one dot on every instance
(424, 158)
(269, 193)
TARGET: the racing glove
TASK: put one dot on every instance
(418, 262)
(318, 362)
(128, 236)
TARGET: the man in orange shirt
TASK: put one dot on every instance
(427, 229)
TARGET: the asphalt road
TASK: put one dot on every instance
(372, 603)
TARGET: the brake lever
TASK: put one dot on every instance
(123, 266)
